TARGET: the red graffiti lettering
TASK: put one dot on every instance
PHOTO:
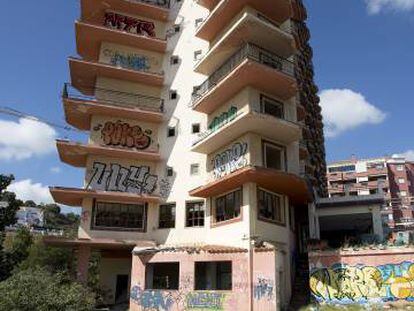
(122, 134)
(129, 24)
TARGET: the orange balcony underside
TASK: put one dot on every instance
(84, 73)
(89, 38)
(94, 10)
(79, 113)
(248, 73)
(269, 179)
(96, 243)
(208, 4)
(254, 30)
(225, 11)
(75, 196)
(77, 154)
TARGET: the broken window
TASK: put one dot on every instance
(228, 206)
(167, 216)
(271, 207)
(213, 275)
(195, 214)
(163, 275)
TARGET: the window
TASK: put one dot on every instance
(195, 169)
(123, 217)
(171, 131)
(195, 128)
(197, 54)
(401, 180)
(271, 107)
(169, 172)
(400, 168)
(198, 22)
(173, 95)
(228, 206)
(162, 276)
(270, 207)
(177, 28)
(273, 156)
(195, 214)
(213, 275)
(166, 216)
(175, 60)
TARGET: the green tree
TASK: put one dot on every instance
(39, 290)
(30, 203)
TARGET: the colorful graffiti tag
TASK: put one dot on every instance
(130, 61)
(223, 119)
(124, 135)
(151, 299)
(363, 284)
(205, 300)
(114, 177)
(263, 289)
(230, 160)
(129, 24)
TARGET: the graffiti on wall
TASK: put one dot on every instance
(151, 299)
(205, 300)
(223, 119)
(230, 160)
(362, 284)
(165, 188)
(114, 177)
(128, 60)
(263, 289)
(129, 24)
(122, 134)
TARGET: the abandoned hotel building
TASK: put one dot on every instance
(205, 154)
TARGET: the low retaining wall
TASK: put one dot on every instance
(366, 276)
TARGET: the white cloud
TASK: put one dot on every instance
(376, 6)
(28, 190)
(345, 110)
(408, 155)
(55, 170)
(25, 139)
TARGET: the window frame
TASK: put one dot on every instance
(195, 219)
(239, 217)
(174, 214)
(171, 128)
(195, 287)
(153, 265)
(282, 149)
(282, 202)
(96, 227)
(193, 166)
(274, 102)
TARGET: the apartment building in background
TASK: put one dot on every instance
(390, 176)
(205, 150)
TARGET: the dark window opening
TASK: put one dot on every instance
(169, 172)
(270, 207)
(271, 107)
(115, 216)
(167, 216)
(171, 131)
(228, 206)
(213, 275)
(163, 276)
(273, 156)
(173, 95)
(175, 60)
(195, 214)
(195, 128)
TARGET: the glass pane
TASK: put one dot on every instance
(273, 157)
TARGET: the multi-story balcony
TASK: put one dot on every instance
(250, 66)
(89, 38)
(76, 154)
(79, 108)
(247, 28)
(277, 181)
(84, 73)
(75, 196)
(93, 11)
(282, 130)
(224, 11)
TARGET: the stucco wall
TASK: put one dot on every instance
(362, 276)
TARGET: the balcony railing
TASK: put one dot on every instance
(250, 52)
(161, 3)
(115, 98)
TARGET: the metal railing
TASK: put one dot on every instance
(161, 3)
(114, 98)
(248, 51)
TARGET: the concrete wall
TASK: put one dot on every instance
(258, 289)
(362, 276)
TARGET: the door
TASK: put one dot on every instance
(121, 294)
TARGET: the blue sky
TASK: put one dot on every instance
(363, 65)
